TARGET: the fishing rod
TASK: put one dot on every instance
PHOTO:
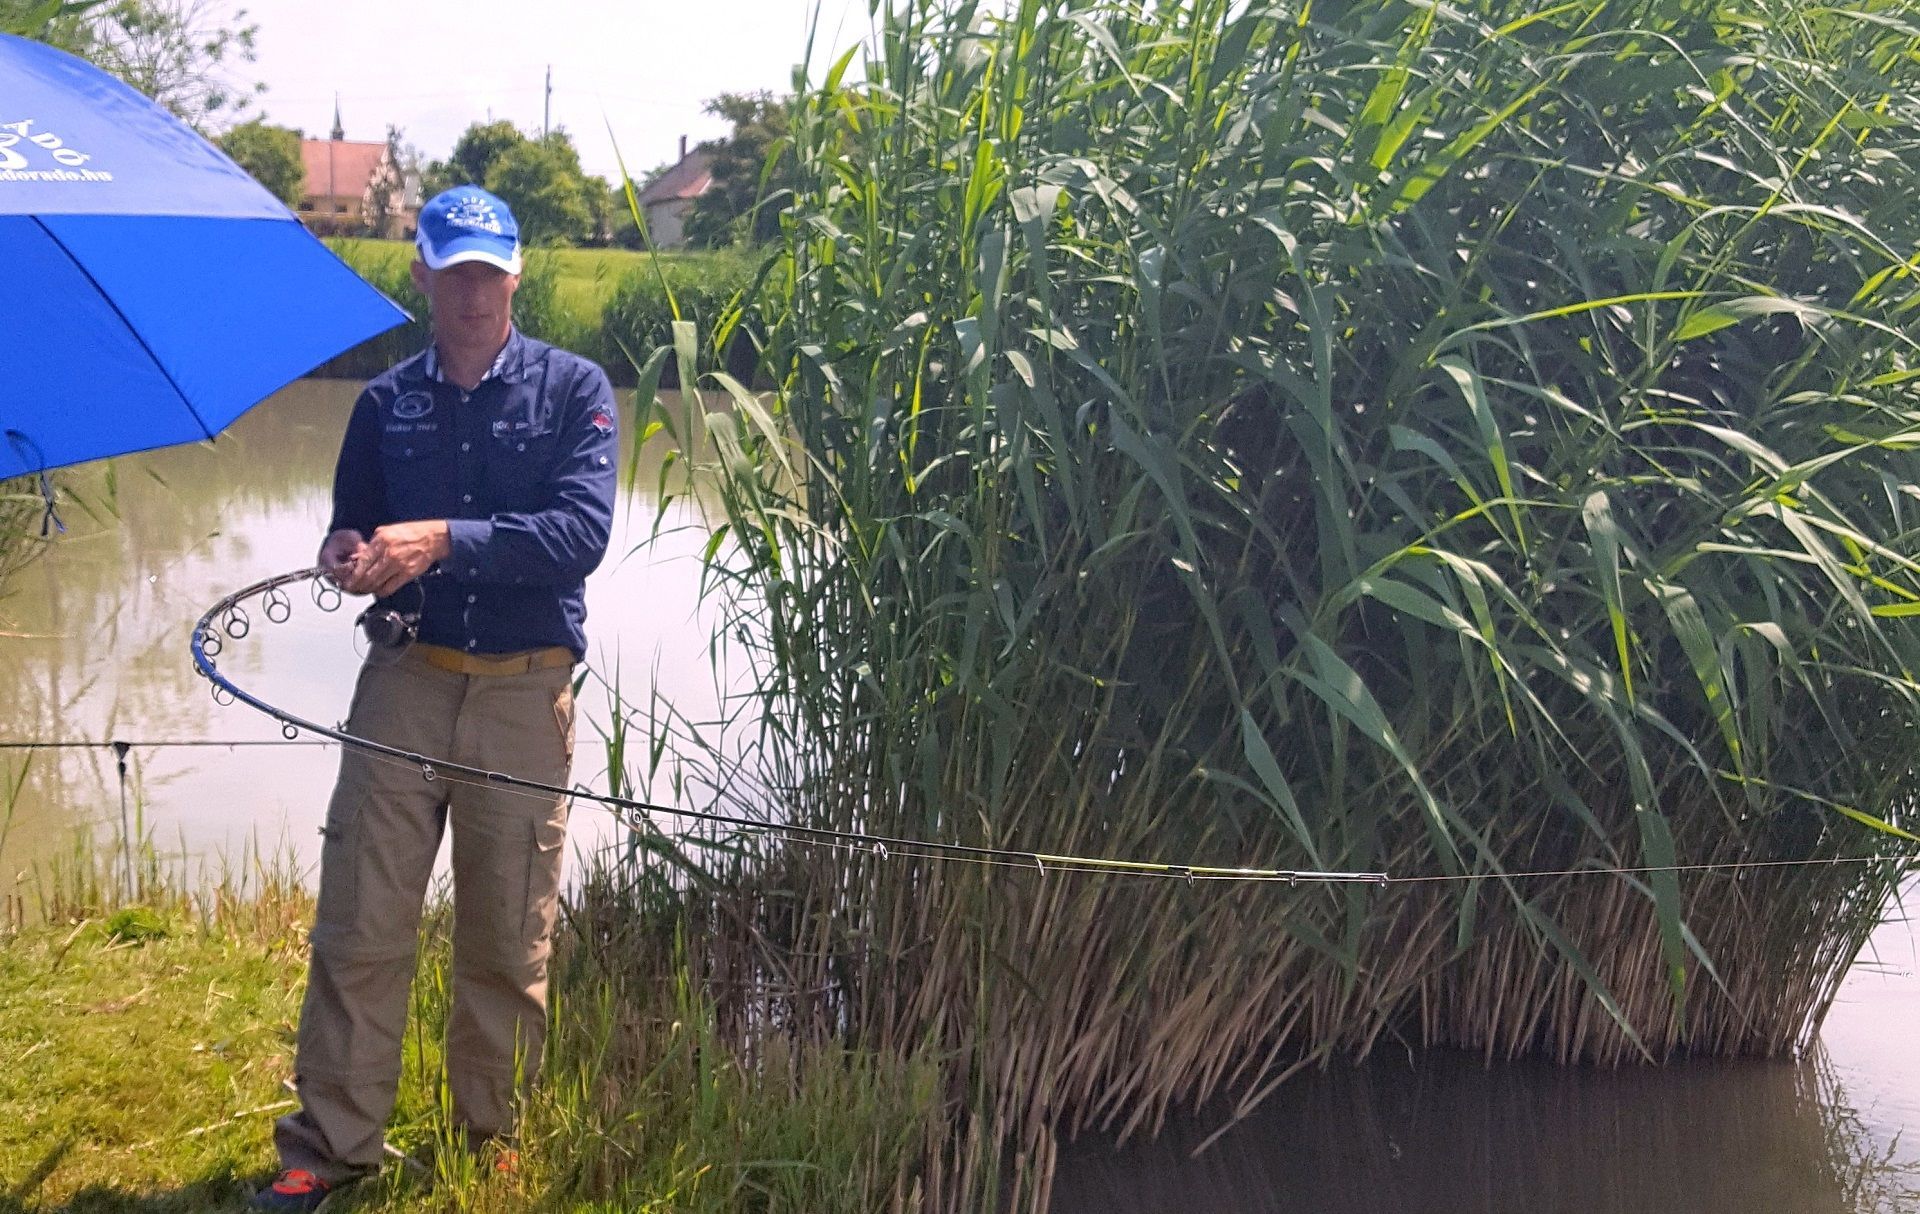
(229, 620)
(125, 744)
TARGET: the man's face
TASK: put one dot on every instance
(471, 303)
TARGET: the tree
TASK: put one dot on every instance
(62, 25)
(735, 209)
(396, 186)
(271, 154)
(543, 183)
(178, 52)
(621, 230)
(473, 156)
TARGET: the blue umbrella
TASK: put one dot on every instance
(150, 290)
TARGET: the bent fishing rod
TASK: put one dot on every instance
(229, 620)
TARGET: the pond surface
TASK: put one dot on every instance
(93, 647)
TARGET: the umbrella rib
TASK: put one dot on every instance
(134, 332)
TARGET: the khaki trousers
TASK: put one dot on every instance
(382, 834)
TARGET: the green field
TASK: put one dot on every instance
(587, 277)
(600, 303)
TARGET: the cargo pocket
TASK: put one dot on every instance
(335, 911)
(545, 856)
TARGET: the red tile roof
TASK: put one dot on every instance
(688, 179)
(340, 167)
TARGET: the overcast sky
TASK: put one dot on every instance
(431, 68)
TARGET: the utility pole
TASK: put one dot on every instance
(546, 118)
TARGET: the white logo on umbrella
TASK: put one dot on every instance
(17, 137)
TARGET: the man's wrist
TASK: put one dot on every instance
(467, 543)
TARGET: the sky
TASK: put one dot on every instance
(431, 68)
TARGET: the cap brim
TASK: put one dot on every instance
(466, 249)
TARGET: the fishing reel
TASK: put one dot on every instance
(389, 628)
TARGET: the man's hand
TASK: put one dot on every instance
(339, 552)
(397, 554)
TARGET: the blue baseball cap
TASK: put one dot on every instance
(466, 223)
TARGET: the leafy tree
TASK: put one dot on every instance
(178, 52)
(542, 181)
(47, 20)
(271, 154)
(621, 231)
(599, 210)
(181, 53)
(395, 186)
(734, 209)
(473, 156)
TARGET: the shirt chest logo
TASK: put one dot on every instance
(413, 406)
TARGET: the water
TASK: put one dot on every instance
(1837, 1132)
(93, 646)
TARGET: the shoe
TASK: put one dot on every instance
(501, 1160)
(297, 1191)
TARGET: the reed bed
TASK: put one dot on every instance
(1460, 441)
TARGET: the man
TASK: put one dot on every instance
(474, 494)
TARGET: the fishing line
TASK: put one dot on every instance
(1044, 864)
(148, 744)
(228, 620)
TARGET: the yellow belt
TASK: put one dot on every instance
(493, 663)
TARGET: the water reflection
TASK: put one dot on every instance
(1451, 1137)
(101, 624)
(1444, 1134)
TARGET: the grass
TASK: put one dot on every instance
(148, 1042)
(611, 305)
(146, 1051)
(586, 278)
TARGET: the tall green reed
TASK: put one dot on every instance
(1455, 441)
(21, 509)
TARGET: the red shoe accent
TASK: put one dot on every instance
(506, 1162)
(298, 1182)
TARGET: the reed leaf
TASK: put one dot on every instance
(1468, 442)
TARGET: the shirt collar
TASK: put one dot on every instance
(506, 364)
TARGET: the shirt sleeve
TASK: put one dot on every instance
(359, 488)
(567, 539)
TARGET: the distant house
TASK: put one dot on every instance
(346, 179)
(668, 201)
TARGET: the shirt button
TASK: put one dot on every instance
(472, 572)
(473, 598)
(520, 447)
(471, 644)
(463, 447)
(409, 450)
(466, 498)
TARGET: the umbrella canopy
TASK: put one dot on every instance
(150, 290)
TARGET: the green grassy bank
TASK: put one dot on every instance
(587, 278)
(148, 1045)
(615, 306)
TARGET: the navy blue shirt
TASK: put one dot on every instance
(523, 468)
